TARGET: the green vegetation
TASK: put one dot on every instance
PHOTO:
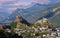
(13, 25)
(4, 34)
(41, 34)
(31, 30)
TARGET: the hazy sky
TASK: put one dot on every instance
(8, 6)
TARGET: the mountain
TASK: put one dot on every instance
(30, 14)
(37, 12)
(54, 14)
(56, 20)
(3, 15)
(56, 17)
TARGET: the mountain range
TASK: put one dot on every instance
(37, 12)
(3, 15)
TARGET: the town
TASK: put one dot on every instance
(41, 29)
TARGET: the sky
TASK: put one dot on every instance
(7, 6)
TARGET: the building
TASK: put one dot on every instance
(43, 22)
(1, 26)
(19, 20)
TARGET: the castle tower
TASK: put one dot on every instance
(18, 21)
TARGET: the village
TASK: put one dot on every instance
(41, 29)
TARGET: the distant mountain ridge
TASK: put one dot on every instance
(3, 15)
(37, 12)
(29, 14)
